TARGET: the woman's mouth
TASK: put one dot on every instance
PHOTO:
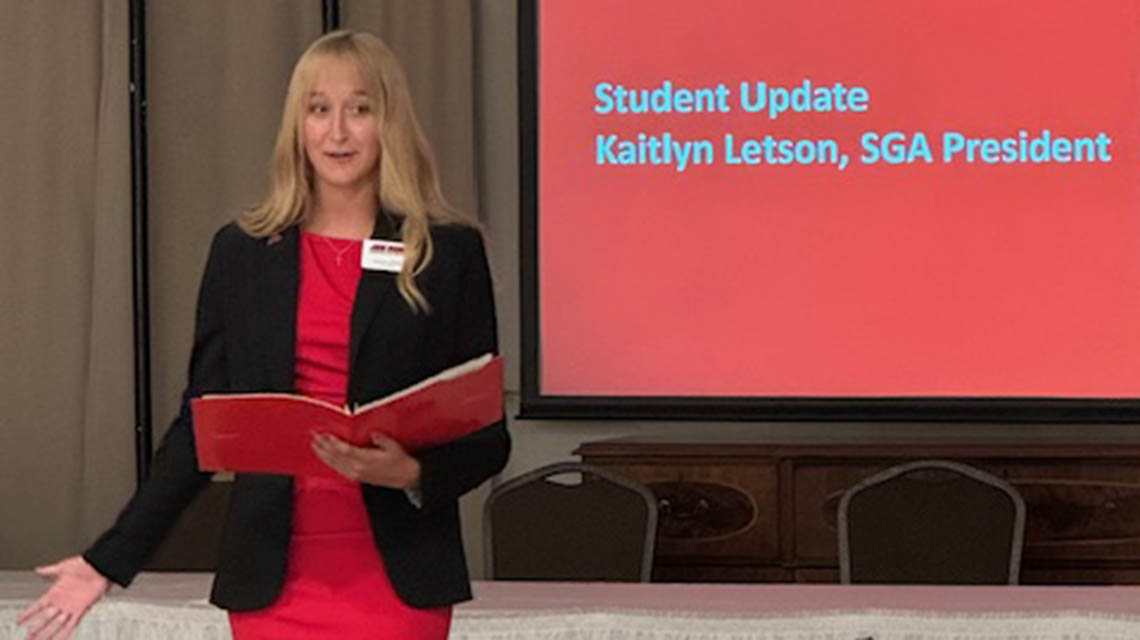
(340, 156)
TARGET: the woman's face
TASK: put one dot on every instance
(340, 128)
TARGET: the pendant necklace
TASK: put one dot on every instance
(339, 253)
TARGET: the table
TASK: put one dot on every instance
(173, 606)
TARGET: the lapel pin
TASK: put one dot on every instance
(274, 239)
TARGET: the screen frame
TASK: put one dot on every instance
(535, 405)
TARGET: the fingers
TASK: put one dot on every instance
(384, 442)
(57, 613)
(50, 570)
(32, 609)
(331, 447)
(338, 455)
(328, 444)
(374, 465)
(48, 625)
(68, 629)
(342, 451)
(54, 631)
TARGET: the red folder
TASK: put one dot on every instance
(271, 432)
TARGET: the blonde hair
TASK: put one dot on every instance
(406, 179)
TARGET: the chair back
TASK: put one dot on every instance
(931, 522)
(602, 528)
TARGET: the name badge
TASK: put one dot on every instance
(382, 255)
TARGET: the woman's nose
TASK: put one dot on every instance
(340, 126)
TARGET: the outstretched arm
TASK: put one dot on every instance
(175, 479)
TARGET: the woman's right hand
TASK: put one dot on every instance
(55, 615)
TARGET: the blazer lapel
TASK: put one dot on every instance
(373, 292)
(277, 298)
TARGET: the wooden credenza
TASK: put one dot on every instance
(739, 511)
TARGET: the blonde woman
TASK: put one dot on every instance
(288, 303)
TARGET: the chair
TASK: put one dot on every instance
(931, 522)
(602, 528)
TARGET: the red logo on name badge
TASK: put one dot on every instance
(380, 248)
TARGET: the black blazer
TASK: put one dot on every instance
(244, 341)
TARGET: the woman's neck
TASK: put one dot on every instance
(342, 212)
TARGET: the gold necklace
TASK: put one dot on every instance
(339, 252)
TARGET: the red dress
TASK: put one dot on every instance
(336, 585)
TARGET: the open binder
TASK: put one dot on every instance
(271, 432)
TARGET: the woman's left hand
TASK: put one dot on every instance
(384, 464)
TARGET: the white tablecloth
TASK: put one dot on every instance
(173, 606)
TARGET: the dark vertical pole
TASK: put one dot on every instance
(528, 200)
(139, 253)
(330, 15)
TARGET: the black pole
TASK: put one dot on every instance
(139, 260)
(527, 56)
(330, 15)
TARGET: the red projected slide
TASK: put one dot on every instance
(836, 198)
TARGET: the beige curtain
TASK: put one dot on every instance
(434, 41)
(497, 162)
(217, 72)
(66, 390)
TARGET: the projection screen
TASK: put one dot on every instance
(828, 209)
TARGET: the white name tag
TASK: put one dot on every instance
(382, 255)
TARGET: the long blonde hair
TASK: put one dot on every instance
(407, 181)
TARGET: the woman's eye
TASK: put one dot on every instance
(362, 108)
(318, 108)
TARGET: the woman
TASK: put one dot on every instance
(288, 303)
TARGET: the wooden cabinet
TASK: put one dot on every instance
(740, 511)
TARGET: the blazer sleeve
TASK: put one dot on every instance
(450, 470)
(120, 553)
